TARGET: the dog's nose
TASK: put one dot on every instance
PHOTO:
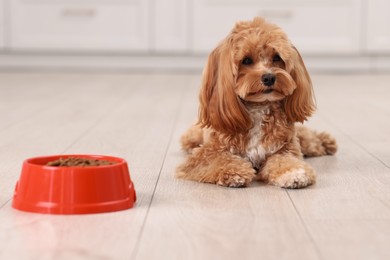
(268, 79)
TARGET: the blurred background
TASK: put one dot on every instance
(332, 35)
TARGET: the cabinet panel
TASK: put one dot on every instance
(2, 24)
(378, 26)
(319, 27)
(79, 25)
(170, 26)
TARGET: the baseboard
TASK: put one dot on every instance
(100, 62)
(23, 61)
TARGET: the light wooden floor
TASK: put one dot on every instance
(140, 117)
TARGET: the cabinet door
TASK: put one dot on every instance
(378, 26)
(170, 26)
(2, 24)
(84, 25)
(319, 27)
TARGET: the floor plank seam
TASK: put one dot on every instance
(96, 123)
(367, 151)
(354, 141)
(169, 143)
(6, 202)
(316, 248)
(37, 112)
(29, 115)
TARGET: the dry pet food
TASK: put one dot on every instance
(80, 162)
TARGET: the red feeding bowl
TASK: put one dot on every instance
(74, 189)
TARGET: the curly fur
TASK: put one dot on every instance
(247, 123)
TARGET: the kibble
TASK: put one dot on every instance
(79, 162)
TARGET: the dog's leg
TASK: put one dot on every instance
(314, 143)
(192, 138)
(209, 165)
(287, 171)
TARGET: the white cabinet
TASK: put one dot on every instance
(2, 24)
(378, 26)
(316, 26)
(108, 25)
(170, 20)
(331, 32)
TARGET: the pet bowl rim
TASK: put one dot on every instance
(47, 158)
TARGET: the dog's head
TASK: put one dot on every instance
(255, 63)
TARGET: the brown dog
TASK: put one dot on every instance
(255, 88)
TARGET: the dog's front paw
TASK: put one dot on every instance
(295, 179)
(236, 179)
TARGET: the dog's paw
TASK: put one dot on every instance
(236, 179)
(295, 179)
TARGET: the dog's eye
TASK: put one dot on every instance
(247, 61)
(276, 58)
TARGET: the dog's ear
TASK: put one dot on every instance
(220, 107)
(301, 104)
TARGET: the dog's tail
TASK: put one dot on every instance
(315, 143)
(192, 138)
